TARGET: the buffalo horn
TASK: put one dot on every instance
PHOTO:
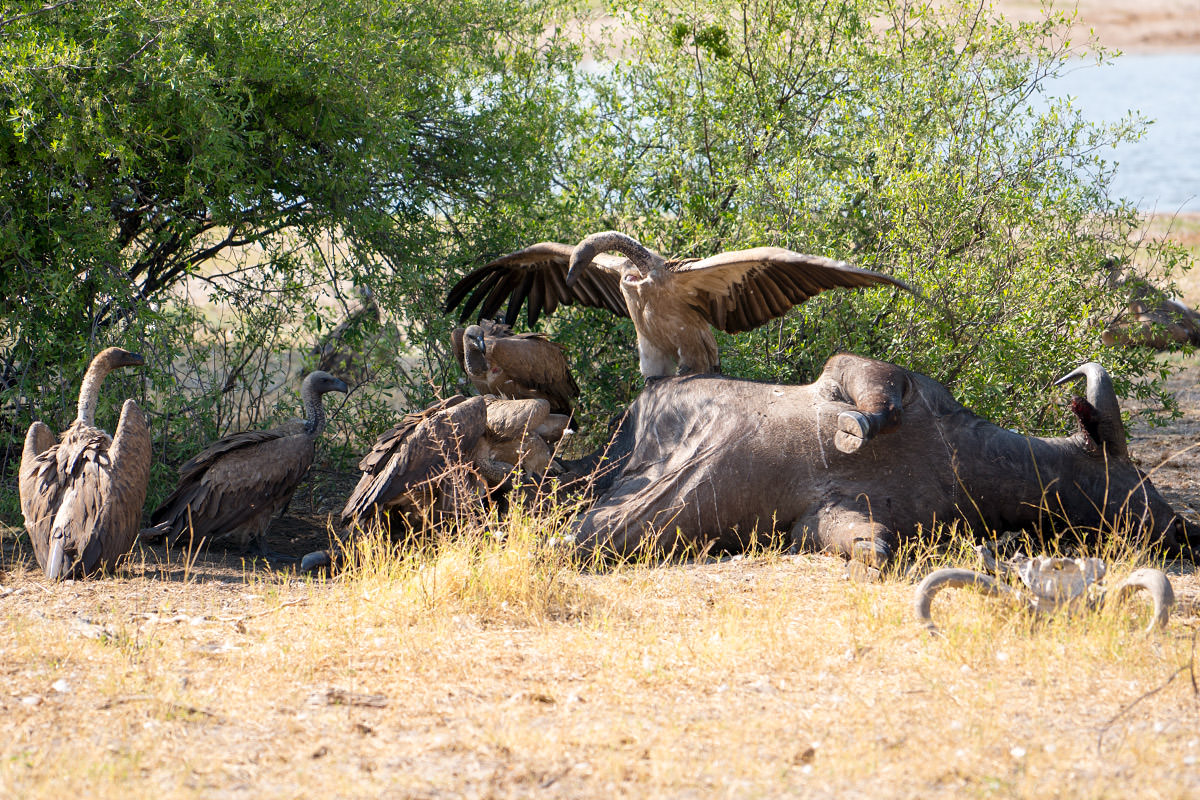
(952, 577)
(1155, 584)
(1102, 397)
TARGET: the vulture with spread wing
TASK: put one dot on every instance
(82, 497)
(232, 488)
(672, 303)
(515, 366)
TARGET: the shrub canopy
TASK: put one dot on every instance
(205, 182)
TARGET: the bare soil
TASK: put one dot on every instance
(1144, 27)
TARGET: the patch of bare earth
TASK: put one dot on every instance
(1147, 26)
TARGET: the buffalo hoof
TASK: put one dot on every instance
(321, 559)
(853, 429)
(868, 557)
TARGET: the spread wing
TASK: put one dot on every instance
(236, 479)
(741, 290)
(538, 274)
(538, 365)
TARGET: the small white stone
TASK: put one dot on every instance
(32, 700)
(61, 686)
(1017, 752)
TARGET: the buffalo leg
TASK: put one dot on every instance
(877, 392)
(847, 532)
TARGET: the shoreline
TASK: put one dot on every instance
(1148, 27)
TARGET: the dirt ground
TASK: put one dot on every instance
(1143, 27)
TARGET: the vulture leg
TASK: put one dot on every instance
(847, 531)
(259, 549)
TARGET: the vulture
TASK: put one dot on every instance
(517, 367)
(82, 497)
(450, 455)
(672, 303)
(342, 350)
(232, 488)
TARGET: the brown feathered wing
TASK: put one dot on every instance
(538, 274)
(238, 481)
(415, 453)
(84, 495)
(742, 289)
(533, 367)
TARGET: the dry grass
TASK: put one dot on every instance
(492, 667)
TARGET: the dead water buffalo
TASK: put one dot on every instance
(866, 457)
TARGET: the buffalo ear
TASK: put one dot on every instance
(1099, 413)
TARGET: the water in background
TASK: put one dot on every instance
(1161, 171)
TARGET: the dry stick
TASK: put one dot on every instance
(1189, 667)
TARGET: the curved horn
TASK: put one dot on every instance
(951, 577)
(1102, 397)
(604, 241)
(1155, 584)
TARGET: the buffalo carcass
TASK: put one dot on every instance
(864, 458)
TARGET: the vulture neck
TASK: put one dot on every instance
(314, 411)
(89, 392)
(476, 362)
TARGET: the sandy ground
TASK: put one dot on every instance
(1135, 27)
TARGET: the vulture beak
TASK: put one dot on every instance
(339, 385)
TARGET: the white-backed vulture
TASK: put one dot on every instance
(234, 486)
(439, 461)
(341, 351)
(82, 497)
(672, 303)
(515, 366)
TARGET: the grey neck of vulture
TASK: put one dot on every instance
(646, 261)
(314, 409)
(89, 392)
(474, 359)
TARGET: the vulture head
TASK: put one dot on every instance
(116, 357)
(475, 351)
(319, 382)
(316, 384)
(1099, 413)
(640, 264)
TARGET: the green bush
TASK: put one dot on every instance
(206, 181)
(903, 136)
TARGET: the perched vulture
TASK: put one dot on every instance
(517, 367)
(341, 350)
(233, 487)
(82, 497)
(672, 303)
(438, 461)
